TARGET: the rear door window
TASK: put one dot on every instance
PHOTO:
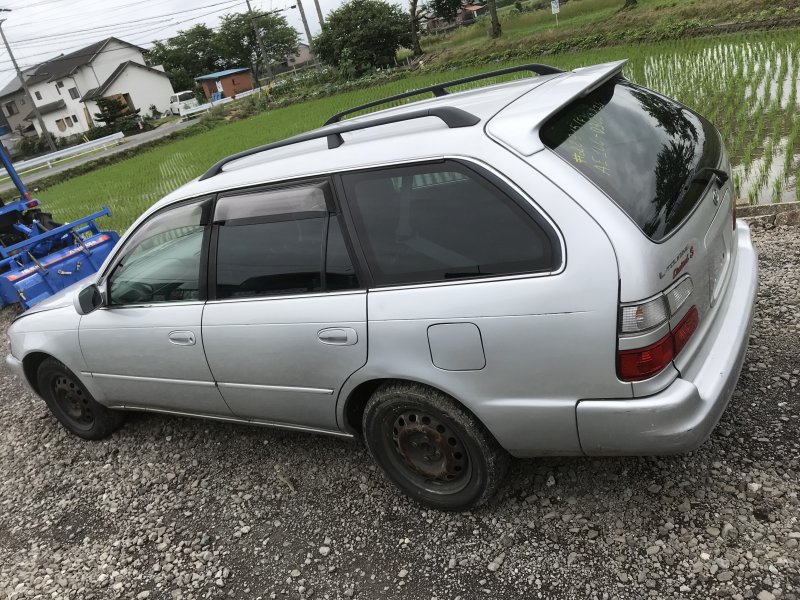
(641, 148)
(439, 222)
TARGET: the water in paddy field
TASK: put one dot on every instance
(749, 90)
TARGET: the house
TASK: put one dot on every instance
(301, 58)
(15, 106)
(65, 89)
(226, 83)
(467, 15)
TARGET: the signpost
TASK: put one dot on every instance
(554, 7)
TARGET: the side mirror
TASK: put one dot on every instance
(88, 300)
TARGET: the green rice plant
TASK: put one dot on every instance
(741, 84)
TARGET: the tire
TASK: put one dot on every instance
(432, 448)
(73, 405)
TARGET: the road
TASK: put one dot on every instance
(131, 142)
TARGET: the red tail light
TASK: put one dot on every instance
(635, 365)
(683, 332)
(643, 363)
(31, 204)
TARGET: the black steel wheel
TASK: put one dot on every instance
(432, 448)
(73, 405)
(72, 401)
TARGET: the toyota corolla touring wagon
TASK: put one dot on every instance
(546, 266)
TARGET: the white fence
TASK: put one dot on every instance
(48, 161)
(193, 112)
(203, 108)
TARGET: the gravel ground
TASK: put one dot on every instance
(179, 508)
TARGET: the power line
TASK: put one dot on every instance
(135, 34)
(138, 33)
(196, 8)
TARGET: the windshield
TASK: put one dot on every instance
(640, 148)
(184, 96)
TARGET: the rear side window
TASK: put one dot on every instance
(641, 149)
(439, 222)
(280, 242)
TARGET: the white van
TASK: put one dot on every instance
(181, 101)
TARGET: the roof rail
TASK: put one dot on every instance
(440, 89)
(451, 116)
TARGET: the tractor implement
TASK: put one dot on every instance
(39, 257)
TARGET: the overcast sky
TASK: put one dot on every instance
(41, 29)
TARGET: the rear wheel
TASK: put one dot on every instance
(73, 405)
(431, 448)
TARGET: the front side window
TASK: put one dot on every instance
(280, 242)
(161, 261)
(439, 222)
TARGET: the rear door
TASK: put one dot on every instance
(286, 325)
(666, 168)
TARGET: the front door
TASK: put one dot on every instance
(144, 348)
(286, 323)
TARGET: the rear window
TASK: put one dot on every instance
(641, 149)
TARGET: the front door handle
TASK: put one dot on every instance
(182, 338)
(338, 336)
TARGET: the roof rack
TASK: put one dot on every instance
(451, 116)
(440, 89)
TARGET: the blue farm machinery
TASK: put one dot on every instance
(39, 257)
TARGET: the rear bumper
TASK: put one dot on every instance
(681, 417)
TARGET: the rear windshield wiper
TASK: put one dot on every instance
(701, 174)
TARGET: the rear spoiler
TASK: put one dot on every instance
(517, 126)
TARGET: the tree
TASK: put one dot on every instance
(416, 17)
(237, 44)
(446, 9)
(495, 31)
(115, 115)
(189, 54)
(363, 34)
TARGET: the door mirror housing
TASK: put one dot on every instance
(88, 299)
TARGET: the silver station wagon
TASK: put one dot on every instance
(546, 266)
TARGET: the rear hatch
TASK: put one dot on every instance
(666, 168)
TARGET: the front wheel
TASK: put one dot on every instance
(432, 448)
(73, 405)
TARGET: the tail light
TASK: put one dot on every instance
(636, 364)
(683, 332)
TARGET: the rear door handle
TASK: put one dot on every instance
(338, 336)
(182, 338)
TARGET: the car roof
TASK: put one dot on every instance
(412, 139)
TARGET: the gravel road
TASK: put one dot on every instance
(179, 508)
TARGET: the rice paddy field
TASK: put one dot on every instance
(744, 83)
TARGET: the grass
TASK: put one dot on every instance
(747, 87)
(589, 23)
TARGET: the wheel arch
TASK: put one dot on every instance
(30, 366)
(357, 398)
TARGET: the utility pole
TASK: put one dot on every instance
(319, 13)
(24, 83)
(260, 39)
(308, 32)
